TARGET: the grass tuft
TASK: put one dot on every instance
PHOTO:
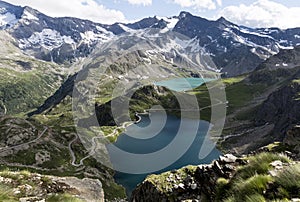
(289, 180)
(260, 164)
(63, 198)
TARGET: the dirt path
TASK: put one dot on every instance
(94, 144)
(24, 144)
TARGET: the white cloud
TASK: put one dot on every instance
(198, 4)
(85, 9)
(140, 2)
(263, 13)
(219, 2)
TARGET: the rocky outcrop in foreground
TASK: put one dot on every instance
(192, 182)
(292, 139)
(261, 177)
(24, 186)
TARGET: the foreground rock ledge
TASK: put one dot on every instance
(202, 182)
(31, 187)
(188, 183)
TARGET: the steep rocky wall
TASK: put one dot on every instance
(281, 109)
(189, 183)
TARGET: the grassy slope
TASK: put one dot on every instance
(25, 82)
(253, 181)
(21, 92)
(238, 94)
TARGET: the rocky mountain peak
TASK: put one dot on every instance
(234, 49)
(6, 5)
(184, 14)
(30, 13)
(144, 23)
(225, 23)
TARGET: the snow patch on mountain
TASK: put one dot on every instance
(255, 48)
(194, 46)
(270, 30)
(48, 39)
(246, 31)
(51, 39)
(125, 28)
(171, 22)
(91, 37)
(281, 46)
(28, 16)
(7, 19)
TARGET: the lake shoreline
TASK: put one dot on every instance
(190, 157)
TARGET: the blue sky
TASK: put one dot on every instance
(169, 8)
(253, 13)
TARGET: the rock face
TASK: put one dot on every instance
(87, 189)
(31, 187)
(281, 109)
(257, 177)
(198, 184)
(292, 138)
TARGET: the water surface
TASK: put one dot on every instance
(183, 84)
(136, 140)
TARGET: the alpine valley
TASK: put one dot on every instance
(47, 64)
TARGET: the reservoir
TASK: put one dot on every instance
(151, 135)
(135, 140)
(183, 84)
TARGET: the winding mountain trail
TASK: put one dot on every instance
(189, 110)
(94, 144)
(26, 143)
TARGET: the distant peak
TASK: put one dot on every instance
(223, 20)
(8, 6)
(184, 14)
(31, 10)
(4, 4)
(30, 13)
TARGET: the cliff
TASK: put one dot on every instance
(259, 177)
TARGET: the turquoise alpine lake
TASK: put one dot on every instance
(136, 140)
(183, 84)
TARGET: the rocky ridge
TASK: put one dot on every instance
(31, 187)
(229, 178)
(188, 183)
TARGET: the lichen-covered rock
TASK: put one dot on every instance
(263, 176)
(292, 139)
(191, 183)
(31, 187)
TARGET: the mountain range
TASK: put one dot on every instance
(234, 49)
